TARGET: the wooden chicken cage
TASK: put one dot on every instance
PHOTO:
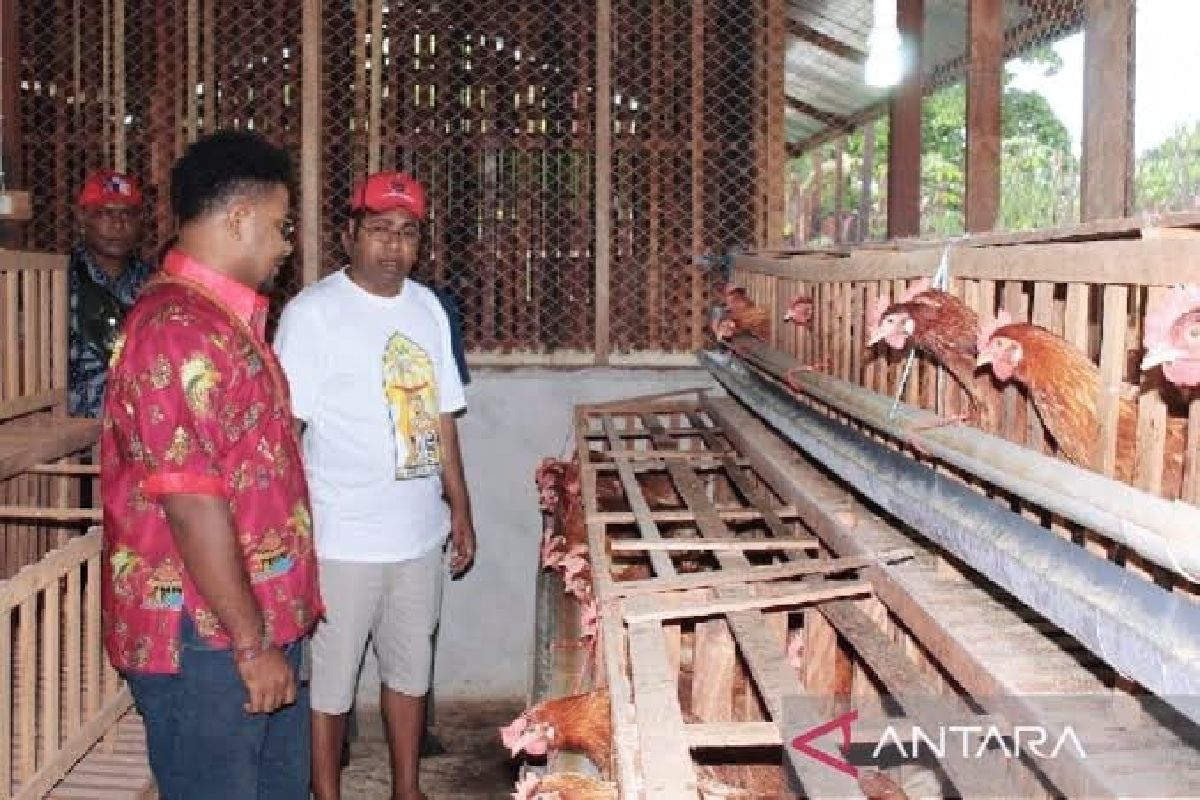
(66, 730)
(1091, 284)
(789, 584)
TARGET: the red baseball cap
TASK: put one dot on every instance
(384, 191)
(108, 188)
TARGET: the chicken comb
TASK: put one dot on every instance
(921, 285)
(875, 313)
(510, 734)
(1178, 301)
(988, 327)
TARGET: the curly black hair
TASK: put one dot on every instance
(222, 166)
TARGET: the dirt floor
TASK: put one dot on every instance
(475, 765)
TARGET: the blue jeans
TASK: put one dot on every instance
(203, 746)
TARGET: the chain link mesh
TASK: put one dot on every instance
(491, 104)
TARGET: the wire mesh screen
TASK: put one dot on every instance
(695, 119)
(492, 104)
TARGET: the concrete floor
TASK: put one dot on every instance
(476, 766)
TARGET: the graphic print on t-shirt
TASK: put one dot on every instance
(411, 394)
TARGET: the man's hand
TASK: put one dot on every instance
(462, 545)
(269, 681)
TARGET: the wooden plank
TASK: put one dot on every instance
(25, 721)
(728, 514)
(1151, 421)
(714, 669)
(61, 468)
(7, 718)
(1161, 262)
(603, 191)
(311, 151)
(985, 47)
(730, 543)
(1106, 164)
(904, 111)
(660, 724)
(375, 100)
(92, 638)
(1112, 367)
(51, 514)
(50, 673)
(749, 574)
(648, 608)
(732, 734)
(73, 636)
(30, 403)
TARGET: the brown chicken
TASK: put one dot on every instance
(915, 784)
(939, 324)
(800, 311)
(1065, 385)
(563, 786)
(741, 315)
(580, 723)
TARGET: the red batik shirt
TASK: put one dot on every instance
(198, 404)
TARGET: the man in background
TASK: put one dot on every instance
(105, 275)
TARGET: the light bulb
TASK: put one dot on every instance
(884, 63)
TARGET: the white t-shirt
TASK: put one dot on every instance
(370, 376)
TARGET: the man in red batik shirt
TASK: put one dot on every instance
(210, 581)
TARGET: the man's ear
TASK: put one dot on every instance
(348, 238)
(236, 219)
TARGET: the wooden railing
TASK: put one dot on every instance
(34, 309)
(58, 693)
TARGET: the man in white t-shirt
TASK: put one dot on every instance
(368, 355)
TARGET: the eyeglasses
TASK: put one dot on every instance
(381, 232)
(287, 228)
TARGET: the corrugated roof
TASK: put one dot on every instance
(828, 40)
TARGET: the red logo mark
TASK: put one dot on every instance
(843, 722)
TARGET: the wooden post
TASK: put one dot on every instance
(839, 187)
(375, 108)
(904, 153)
(193, 68)
(985, 31)
(866, 178)
(119, 147)
(310, 142)
(1106, 186)
(603, 174)
(10, 108)
(774, 43)
(696, 54)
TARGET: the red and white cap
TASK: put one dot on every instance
(109, 188)
(385, 191)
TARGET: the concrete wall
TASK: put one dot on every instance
(514, 418)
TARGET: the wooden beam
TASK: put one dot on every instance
(726, 543)
(729, 515)
(659, 721)
(603, 194)
(310, 141)
(796, 569)
(985, 31)
(1106, 184)
(10, 112)
(647, 608)
(827, 117)
(904, 151)
(829, 44)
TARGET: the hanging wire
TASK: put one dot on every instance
(941, 280)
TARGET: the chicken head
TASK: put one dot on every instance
(1172, 336)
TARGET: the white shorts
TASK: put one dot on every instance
(397, 605)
